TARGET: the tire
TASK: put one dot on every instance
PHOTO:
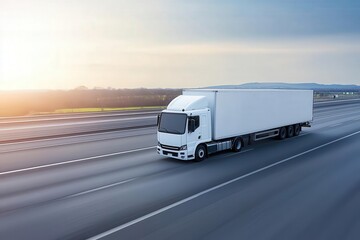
(297, 129)
(200, 153)
(290, 131)
(282, 133)
(237, 145)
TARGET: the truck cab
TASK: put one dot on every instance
(184, 125)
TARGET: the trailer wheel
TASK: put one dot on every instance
(282, 133)
(237, 145)
(200, 153)
(290, 131)
(297, 129)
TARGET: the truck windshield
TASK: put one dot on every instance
(172, 123)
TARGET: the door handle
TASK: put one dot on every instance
(199, 137)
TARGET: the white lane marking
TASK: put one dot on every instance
(77, 123)
(337, 115)
(320, 126)
(75, 136)
(232, 154)
(71, 143)
(336, 101)
(74, 161)
(149, 215)
(99, 188)
(72, 117)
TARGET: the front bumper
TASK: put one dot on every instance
(181, 154)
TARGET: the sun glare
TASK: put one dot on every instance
(26, 52)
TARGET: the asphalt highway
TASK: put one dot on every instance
(113, 185)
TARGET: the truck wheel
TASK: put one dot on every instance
(237, 145)
(290, 131)
(200, 153)
(297, 129)
(282, 133)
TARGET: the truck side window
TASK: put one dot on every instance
(197, 121)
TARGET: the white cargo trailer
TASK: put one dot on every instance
(204, 121)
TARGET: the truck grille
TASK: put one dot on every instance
(170, 147)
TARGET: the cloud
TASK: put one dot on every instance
(180, 43)
(312, 45)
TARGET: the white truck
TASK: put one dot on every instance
(204, 121)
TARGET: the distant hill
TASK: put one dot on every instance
(305, 86)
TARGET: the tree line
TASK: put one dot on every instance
(16, 103)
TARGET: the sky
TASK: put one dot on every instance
(63, 44)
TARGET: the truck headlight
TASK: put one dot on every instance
(159, 144)
(184, 147)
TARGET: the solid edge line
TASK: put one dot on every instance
(73, 136)
(74, 161)
(99, 188)
(77, 134)
(77, 117)
(149, 215)
(60, 138)
(73, 123)
(338, 101)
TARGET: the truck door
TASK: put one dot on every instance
(205, 130)
(194, 137)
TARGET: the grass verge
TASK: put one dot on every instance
(88, 110)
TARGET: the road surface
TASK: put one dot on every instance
(113, 185)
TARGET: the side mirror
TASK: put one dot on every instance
(191, 125)
(158, 119)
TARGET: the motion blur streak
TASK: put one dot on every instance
(313, 196)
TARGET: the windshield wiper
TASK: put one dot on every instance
(163, 129)
(176, 131)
